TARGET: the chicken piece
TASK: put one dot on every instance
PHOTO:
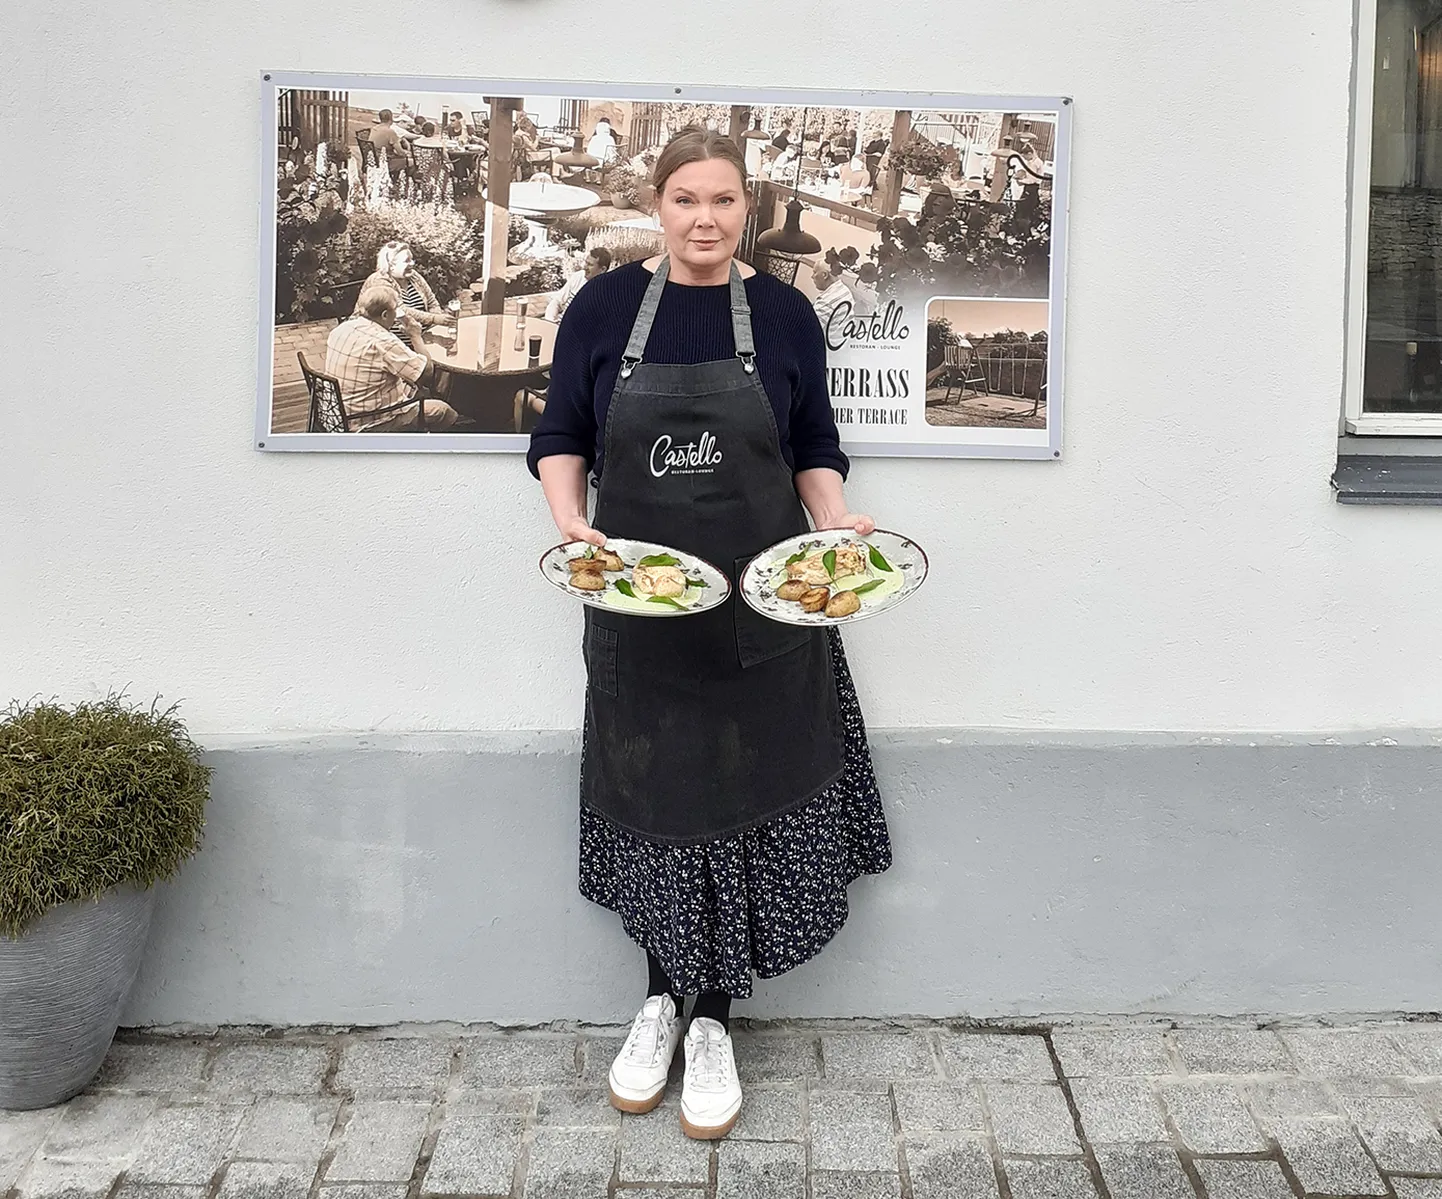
(812, 569)
(589, 580)
(849, 561)
(792, 589)
(843, 603)
(609, 560)
(668, 581)
(815, 599)
(809, 570)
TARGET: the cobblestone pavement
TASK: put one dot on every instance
(833, 1110)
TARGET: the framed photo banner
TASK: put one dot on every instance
(928, 231)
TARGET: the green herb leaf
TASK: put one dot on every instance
(590, 552)
(877, 560)
(828, 560)
(659, 560)
(663, 599)
(865, 587)
(697, 583)
(796, 557)
(625, 588)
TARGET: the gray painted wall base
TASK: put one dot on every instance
(382, 879)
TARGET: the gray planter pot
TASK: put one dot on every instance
(62, 985)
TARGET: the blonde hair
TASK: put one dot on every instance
(695, 144)
(388, 254)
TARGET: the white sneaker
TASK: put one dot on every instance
(711, 1093)
(638, 1075)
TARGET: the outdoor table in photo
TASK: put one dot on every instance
(487, 367)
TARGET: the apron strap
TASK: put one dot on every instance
(651, 301)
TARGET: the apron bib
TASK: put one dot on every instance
(698, 727)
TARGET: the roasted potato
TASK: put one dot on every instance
(609, 560)
(843, 603)
(815, 599)
(582, 563)
(589, 580)
(793, 589)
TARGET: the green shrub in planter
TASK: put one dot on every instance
(97, 803)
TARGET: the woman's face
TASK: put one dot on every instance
(401, 263)
(703, 212)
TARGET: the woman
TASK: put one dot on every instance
(396, 265)
(727, 795)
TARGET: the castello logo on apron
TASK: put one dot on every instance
(698, 457)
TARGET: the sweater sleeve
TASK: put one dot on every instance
(568, 425)
(814, 438)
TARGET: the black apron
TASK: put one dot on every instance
(701, 726)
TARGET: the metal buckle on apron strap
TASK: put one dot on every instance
(748, 360)
(628, 365)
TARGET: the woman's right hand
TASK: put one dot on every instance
(577, 529)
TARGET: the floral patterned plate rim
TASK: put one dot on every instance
(906, 560)
(714, 590)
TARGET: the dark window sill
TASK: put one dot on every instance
(1389, 470)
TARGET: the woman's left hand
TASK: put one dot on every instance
(857, 521)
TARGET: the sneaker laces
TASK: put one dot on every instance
(709, 1065)
(643, 1042)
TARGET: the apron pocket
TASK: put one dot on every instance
(758, 638)
(600, 655)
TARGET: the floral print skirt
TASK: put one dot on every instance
(764, 900)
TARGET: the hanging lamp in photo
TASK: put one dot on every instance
(755, 133)
(791, 239)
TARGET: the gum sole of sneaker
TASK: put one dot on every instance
(704, 1132)
(637, 1107)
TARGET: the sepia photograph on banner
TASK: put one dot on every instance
(422, 244)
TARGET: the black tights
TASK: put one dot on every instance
(715, 1004)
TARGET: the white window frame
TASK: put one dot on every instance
(1375, 424)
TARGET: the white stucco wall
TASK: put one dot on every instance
(1184, 567)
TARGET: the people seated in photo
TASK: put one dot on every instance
(598, 262)
(396, 268)
(387, 140)
(786, 165)
(603, 142)
(863, 289)
(826, 278)
(377, 370)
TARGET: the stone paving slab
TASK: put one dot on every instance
(1232, 1051)
(269, 1068)
(1031, 1118)
(1211, 1116)
(996, 1055)
(834, 1110)
(941, 1166)
(1143, 1172)
(1059, 1178)
(1243, 1179)
(1119, 1110)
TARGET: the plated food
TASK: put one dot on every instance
(637, 577)
(833, 576)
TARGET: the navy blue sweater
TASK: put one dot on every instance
(693, 324)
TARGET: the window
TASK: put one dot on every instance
(1394, 383)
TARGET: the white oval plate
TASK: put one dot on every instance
(903, 555)
(555, 571)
